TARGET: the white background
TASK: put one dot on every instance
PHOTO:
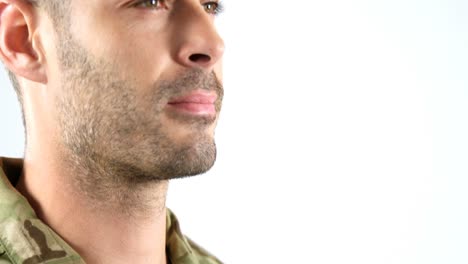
(343, 137)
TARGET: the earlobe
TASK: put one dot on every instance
(16, 47)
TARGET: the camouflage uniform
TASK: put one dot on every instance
(25, 239)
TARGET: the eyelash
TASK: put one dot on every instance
(218, 9)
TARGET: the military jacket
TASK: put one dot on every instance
(25, 239)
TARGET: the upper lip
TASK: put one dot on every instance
(195, 97)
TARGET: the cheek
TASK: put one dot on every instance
(144, 58)
(140, 60)
(135, 49)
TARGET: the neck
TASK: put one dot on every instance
(115, 223)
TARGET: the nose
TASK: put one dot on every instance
(196, 42)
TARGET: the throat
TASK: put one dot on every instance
(104, 223)
(113, 239)
(127, 227)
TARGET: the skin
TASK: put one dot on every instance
(102, 141)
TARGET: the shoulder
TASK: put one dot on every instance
(183, 250)
(202, 254)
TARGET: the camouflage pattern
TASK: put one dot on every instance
(25, 239)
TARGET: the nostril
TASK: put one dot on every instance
(199, 58)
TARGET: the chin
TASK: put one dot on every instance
(192, 161)
(180, 160)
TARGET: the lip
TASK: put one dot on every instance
(195, 103)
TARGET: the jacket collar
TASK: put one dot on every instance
(24, 238)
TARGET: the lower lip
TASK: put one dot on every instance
(194, 108)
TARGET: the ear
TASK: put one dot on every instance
(17, 49)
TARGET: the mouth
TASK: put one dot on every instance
(196, 103)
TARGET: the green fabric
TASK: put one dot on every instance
(25, 239)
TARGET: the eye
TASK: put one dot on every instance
(153, 4)
(213, 8)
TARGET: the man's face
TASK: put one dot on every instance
(137, 87)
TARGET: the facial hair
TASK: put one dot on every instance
(113, 135)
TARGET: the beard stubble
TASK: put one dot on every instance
(112, 140)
